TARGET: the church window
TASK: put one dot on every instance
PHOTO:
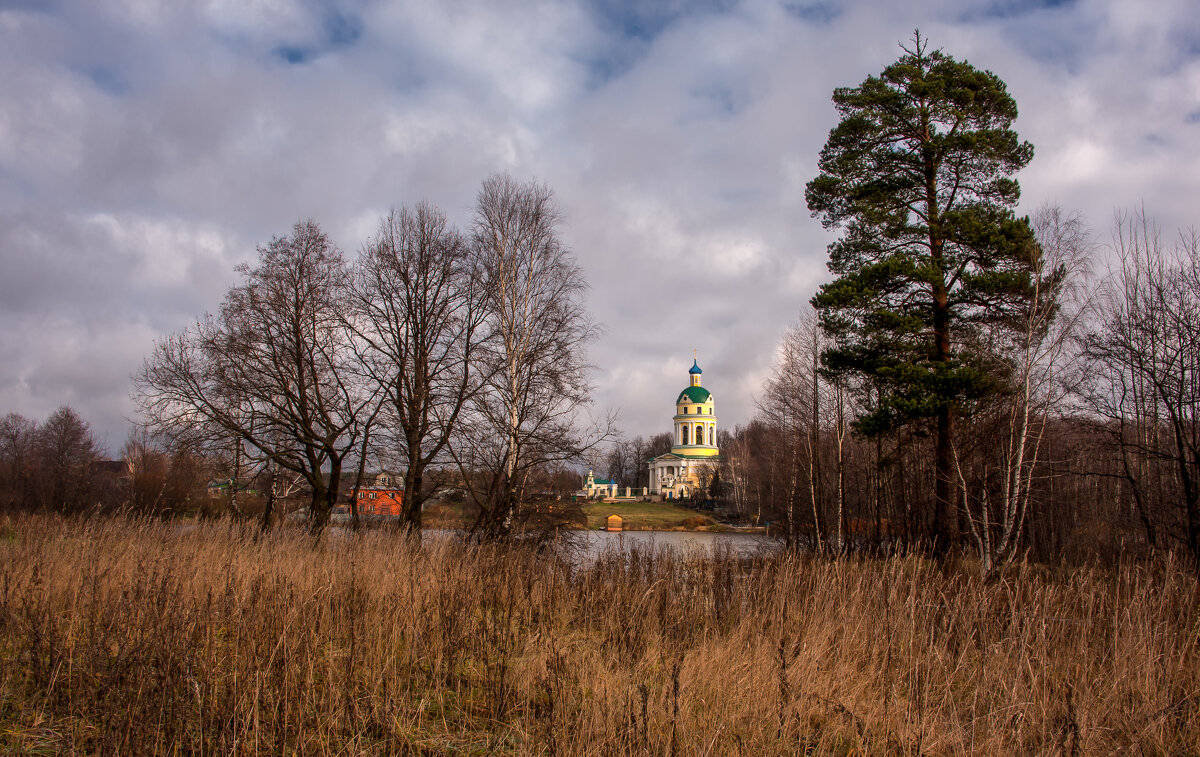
(685, 410)
(684, 435)
(699, 434)
(711, 441)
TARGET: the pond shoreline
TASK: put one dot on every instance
(716, 529)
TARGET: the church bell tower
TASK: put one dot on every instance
(695, 419)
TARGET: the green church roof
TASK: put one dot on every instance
(694, 394)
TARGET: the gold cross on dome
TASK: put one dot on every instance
(694, 355)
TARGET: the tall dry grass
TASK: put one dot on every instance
(120, 637)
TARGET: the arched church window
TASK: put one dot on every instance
(711, 433)
(683, 431)
(699, 434)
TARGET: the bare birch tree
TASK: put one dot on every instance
(531, 407)
(791, 402)
(995, 479)
(736, 462)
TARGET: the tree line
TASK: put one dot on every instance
(59, 465)
(1088, 447)
(455, 357)
(965, 381)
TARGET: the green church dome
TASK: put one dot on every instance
(696, 394)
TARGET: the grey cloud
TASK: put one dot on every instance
(148, 146)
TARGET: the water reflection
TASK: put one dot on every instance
(584, 546)
(591, 544)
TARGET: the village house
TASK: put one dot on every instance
(383, 497)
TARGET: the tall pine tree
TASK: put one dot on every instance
(918, 177)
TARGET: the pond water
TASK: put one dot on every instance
(594, 543)
(586, 546)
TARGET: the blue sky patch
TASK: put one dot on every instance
(106, 80)
(816, 13)
(338, 30)
(1186, 48)
(32, 6)
(634, 20)
(604, 68)
(1011, 8)
(341, 29)
(724, 99)
(640, 20)
(294, 54)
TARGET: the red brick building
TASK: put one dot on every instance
(381, 498)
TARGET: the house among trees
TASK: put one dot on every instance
(383, 497)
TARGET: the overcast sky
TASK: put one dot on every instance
(148, 146)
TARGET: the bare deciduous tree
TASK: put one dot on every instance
(67, 453)
(159, 479)
(530, 409)
(272, 368)
(791, 402)
(419, 313)
(1144, 369)
(18, 457)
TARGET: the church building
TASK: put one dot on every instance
(690, 465)
(597, 487)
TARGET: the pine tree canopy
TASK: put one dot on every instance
(918, 176)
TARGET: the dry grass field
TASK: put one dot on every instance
(134, 637)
